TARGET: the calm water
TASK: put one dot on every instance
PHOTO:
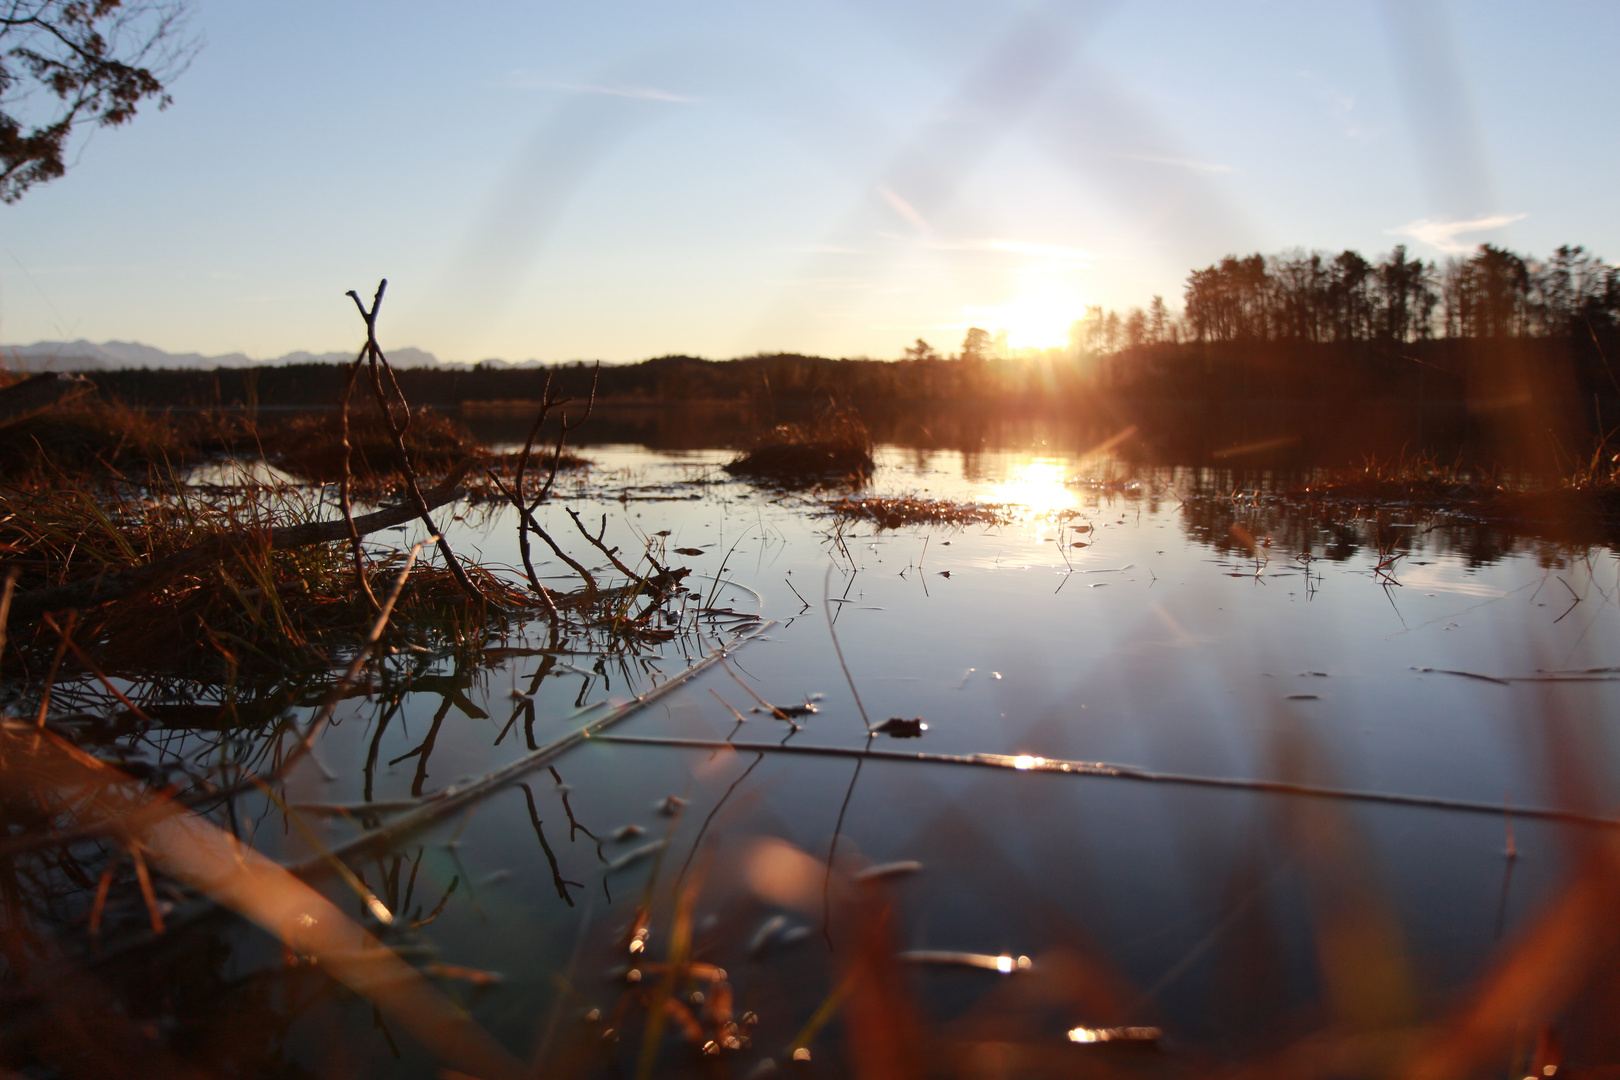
(1157, 620)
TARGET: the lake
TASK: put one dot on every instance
(1203, 776)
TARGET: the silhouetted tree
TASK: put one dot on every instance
(1229, 302)
(921, 351)
(1136, 328)
(70, 62)
(1351, 297)
(1158, 321)
(976, 345)
(1486, 294)
(1407, 296)
(1568, 293)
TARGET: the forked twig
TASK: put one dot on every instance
(345, 493)
(379, 365)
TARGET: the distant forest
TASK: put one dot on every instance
(1322, 298)
(1493, 330)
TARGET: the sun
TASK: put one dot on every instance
(1032, 322)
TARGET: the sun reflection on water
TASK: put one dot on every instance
(1036, 489)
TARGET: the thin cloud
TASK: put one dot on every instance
(526, 80)
(902, 207)
(1445, 235)
(1179, 163)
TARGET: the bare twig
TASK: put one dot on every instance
(344, 487)
(596, 541)
(516, 496)
(826, 610)
(356, 665)
(396, 430)
(564, 431)
(534, 526)
(67, 639)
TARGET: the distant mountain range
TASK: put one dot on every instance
(121, 355)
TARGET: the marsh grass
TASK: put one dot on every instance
(834, 448)
(1580, 505)
(310, 446)
(93, 439)
(905, 510)
(241, 605)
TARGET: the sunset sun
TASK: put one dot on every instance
(1033, 322)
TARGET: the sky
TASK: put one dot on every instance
(617, 180)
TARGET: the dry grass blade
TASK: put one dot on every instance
(195, 852)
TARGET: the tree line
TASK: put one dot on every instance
(1321, 298)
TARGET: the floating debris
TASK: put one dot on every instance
(775, 932)
(670, 805)
(788, 712)
(897, 727)
(885, 871)
(630, 858)
(1006, 965)
(1464, 674)
(767, 933)
(626, 832)
(464, 974)
(1147, 1036)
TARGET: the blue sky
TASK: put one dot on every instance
(618, 180)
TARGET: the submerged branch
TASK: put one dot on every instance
(1026, 763)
